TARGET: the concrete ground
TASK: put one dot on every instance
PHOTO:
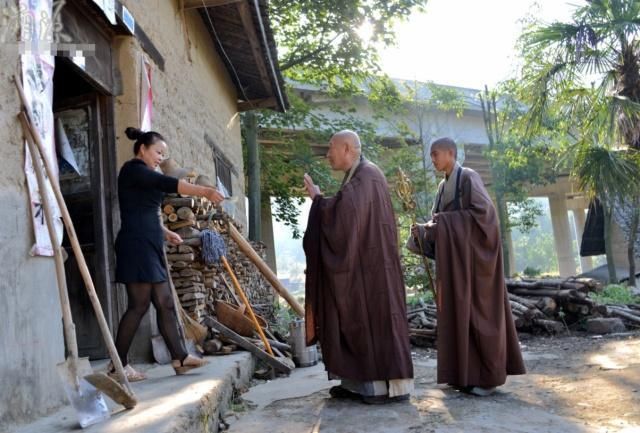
(166, 403)
(573, 385)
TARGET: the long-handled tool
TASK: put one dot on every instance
(123, 396)
(86, 400)
(214, 250)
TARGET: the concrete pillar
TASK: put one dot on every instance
(562, 235)
(579, 219)
(267, 235)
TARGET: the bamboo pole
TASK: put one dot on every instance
(65, 306)
(254, 319)
(248, 250)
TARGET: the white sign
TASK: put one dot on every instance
(128, 20)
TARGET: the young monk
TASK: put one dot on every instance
(477, 340)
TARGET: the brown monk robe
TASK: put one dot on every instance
(355, 295)
(477, 340)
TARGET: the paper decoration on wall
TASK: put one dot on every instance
(146, 95)
(63, 147)
(37, 77)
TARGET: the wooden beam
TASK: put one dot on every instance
(256, 48)
(198, 4)
(257, 103)
(247, 345)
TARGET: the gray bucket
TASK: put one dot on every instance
(303, 356)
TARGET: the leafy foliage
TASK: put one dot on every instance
(615, 294)
(321, 48)
(585, 74)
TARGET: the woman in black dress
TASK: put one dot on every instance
(140, 247)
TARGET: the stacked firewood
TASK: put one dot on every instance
(551, 305)
(199, 285)
(548, 306)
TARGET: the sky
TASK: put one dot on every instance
(465, 43)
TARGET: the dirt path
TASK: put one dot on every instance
(574, 384)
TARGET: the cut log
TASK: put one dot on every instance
(185, 213)
(168, 209)
(193, 242)
(616, 311)
(178, 202)
(551, 326)
(180, 257)
(179, 224)
(547, 305)
(172, 217)
(415, 332)
(188, 233)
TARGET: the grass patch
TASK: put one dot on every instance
(413, 299)
(615, 294)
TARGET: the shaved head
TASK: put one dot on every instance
(443, 154)
(445, 143)
(344, 150)
(349, 138)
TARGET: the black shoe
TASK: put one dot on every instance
(463, 389)
(384, 399)
(343, 393)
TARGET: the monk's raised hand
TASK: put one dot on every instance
(312, 189)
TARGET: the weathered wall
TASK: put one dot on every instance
(31, 333)
(191, 97)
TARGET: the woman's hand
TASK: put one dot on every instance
(172, 237)
(208, 192)
(214, 195)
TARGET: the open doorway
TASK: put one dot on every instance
(81, 114)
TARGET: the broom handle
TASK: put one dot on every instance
(75, 245)
(67, 318)
(249, 308)
(174, 293)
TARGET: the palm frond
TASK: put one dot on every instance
(605, 173)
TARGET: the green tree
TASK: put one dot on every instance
(320, 46)
(516, 164)
(586, 74)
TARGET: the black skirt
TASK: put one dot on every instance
(140, 259)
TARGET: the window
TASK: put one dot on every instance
(224, 168)
(223, 173)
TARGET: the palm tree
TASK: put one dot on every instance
(587, 74)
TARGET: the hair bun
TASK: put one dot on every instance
(133, 133)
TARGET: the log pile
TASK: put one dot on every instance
(548, 306)
(197, 284)
(551, 305)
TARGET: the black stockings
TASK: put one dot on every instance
(140, 296)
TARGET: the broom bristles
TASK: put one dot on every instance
(213, 247)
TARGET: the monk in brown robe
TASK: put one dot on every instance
(355, 295)
(477, 340)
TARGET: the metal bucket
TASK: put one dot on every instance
(303, 356)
